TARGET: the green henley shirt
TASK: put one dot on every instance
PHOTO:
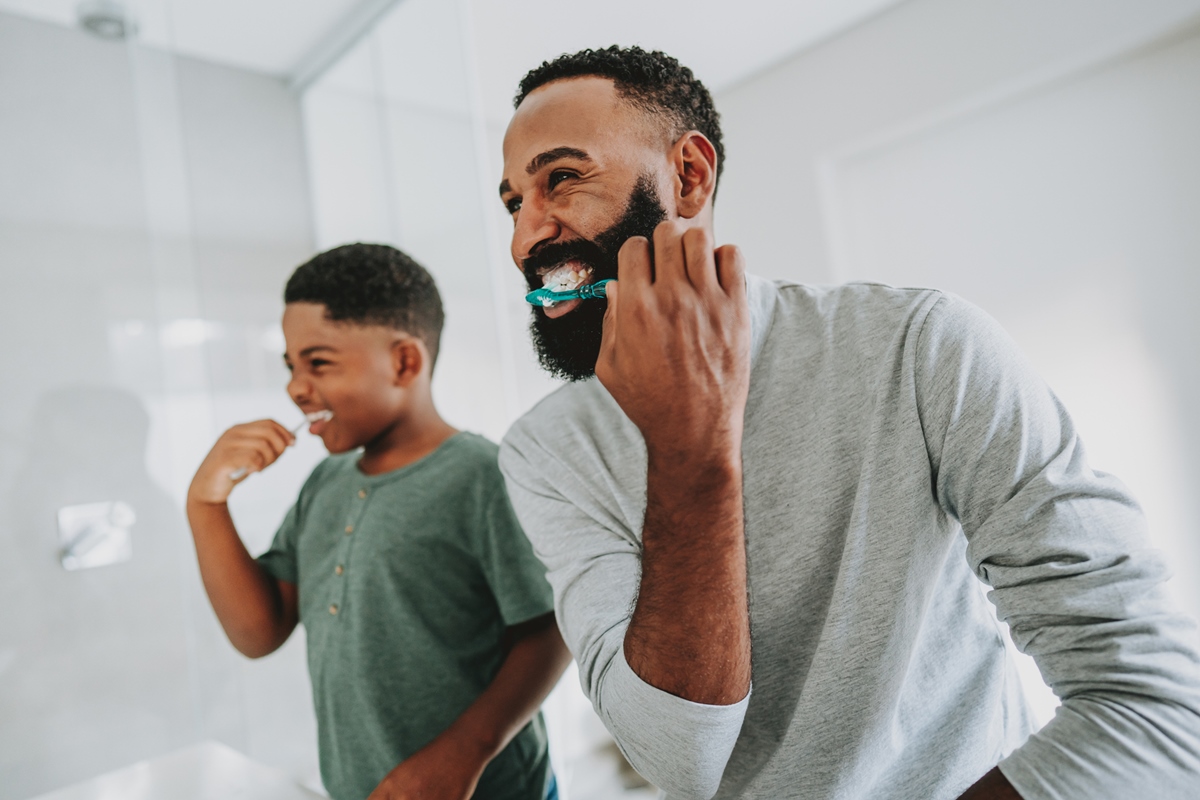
(407, 581)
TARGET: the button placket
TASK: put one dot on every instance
(344, 551)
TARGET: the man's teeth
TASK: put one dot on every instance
(566, 278)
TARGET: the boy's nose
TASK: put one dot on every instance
(299, 390)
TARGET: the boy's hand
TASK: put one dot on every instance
(253, 446)
(442, 770)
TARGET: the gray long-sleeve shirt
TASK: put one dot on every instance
(899, 454)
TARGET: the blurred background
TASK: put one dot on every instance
(165, 164)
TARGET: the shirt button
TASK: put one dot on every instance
(338, 570)
(333, 608)
(362, 493)
(349, 529)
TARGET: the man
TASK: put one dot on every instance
(806, 486)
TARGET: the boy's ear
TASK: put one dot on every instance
(408, 359)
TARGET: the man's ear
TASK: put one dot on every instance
(408, 359)
(695, 161)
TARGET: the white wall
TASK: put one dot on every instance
(1038, 159)
(912, 62)
(150, 210)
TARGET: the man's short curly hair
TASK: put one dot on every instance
(372, 284)
(653, 81)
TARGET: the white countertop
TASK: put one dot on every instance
(206, 771)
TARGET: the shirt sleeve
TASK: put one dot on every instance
(280, 558)
(594, 567)
(1065, 551)
(514, 574)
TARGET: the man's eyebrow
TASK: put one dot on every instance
(550, 156)
(542, 159)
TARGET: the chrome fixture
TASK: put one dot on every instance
(108, 19)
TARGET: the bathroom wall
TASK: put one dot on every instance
(150, 208)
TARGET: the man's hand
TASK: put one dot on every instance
(676, 358)
(445, 769)
(252, 447)
(676, 348)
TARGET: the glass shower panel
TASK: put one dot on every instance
(150, 210)
(394, 154)
(96, 667)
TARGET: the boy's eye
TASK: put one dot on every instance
(317, 363)
(557, 177)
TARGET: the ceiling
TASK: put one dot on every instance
(271, 36)
(723, 41)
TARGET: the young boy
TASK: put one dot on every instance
(431, 635)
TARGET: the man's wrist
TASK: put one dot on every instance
(713, 463)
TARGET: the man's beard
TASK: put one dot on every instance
(568, 346)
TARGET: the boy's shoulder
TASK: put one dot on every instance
(333, 467)
(466, 459)
(472, 457)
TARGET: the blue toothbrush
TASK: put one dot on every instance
(586, 292)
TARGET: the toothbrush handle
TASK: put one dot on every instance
(596, 289)
(238, 474)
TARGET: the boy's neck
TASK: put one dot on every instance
(411, 438)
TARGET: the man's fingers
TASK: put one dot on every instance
(669, 265)
(699, 259)
(608, 334)
(633, 263)
(611, 292)
(731, 270)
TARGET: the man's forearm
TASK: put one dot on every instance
(249, 603)
(992, 786)
(690, 631)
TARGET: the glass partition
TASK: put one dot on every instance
(150, 208)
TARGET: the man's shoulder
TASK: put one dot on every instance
(565, 425)
(862, 300)
(857, 317)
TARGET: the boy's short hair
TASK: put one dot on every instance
(653, 81)
(372, 284)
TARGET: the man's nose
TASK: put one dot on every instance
(534, 226)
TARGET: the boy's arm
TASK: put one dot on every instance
(449, 767)
(257, 611)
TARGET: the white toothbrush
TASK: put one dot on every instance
(315, 416)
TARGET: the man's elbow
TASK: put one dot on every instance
(681, 778)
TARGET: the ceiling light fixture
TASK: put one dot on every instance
(107, 19)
